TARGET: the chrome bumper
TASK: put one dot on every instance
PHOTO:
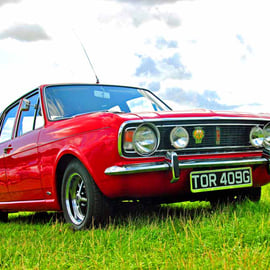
(169, 165)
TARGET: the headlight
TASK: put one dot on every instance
(179, 137)
(256, 136)
(146, 139)
(266, 132)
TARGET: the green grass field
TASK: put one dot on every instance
(178, 236)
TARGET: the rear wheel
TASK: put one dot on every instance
(82, 202)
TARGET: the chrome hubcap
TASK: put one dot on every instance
(76, 198)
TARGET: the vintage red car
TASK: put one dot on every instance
(78, 148)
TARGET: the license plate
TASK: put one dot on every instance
(203, 181)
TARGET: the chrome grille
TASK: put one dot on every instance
(233, 135)
(215, 137)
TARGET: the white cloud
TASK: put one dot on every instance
(25, 32)
(222, 45)
(4, 2)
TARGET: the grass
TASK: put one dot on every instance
(178, 236)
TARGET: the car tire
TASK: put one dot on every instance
(3, 216)
(254, 194)
(83, 203)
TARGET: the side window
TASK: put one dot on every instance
(39, 121)
(30, 119)
(8, 124)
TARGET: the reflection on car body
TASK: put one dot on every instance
(78, 148)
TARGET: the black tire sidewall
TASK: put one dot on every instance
(76, 167)
(254, 194)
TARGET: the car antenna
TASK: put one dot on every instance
(85, 52)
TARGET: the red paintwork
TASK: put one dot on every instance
(28, 179)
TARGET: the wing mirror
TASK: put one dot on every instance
(25, 105)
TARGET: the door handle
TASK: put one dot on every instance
(8, 149)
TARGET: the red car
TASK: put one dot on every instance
(78, 148)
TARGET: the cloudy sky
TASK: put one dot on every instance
(192, 53)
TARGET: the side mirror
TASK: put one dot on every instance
(25, 105)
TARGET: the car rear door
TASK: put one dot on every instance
(22, 159)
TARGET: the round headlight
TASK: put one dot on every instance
(179, 137)
(256, 136)
(146, 139)
(266, 132)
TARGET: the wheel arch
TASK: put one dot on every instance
(59, 173)
(62, 163)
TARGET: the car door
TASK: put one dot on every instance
(22, 159)
(8, 120)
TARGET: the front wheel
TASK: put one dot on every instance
(82, 202)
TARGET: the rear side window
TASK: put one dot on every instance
(8, 124)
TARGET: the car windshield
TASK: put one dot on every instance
(64, 101)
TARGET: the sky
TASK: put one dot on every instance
(210, 54)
